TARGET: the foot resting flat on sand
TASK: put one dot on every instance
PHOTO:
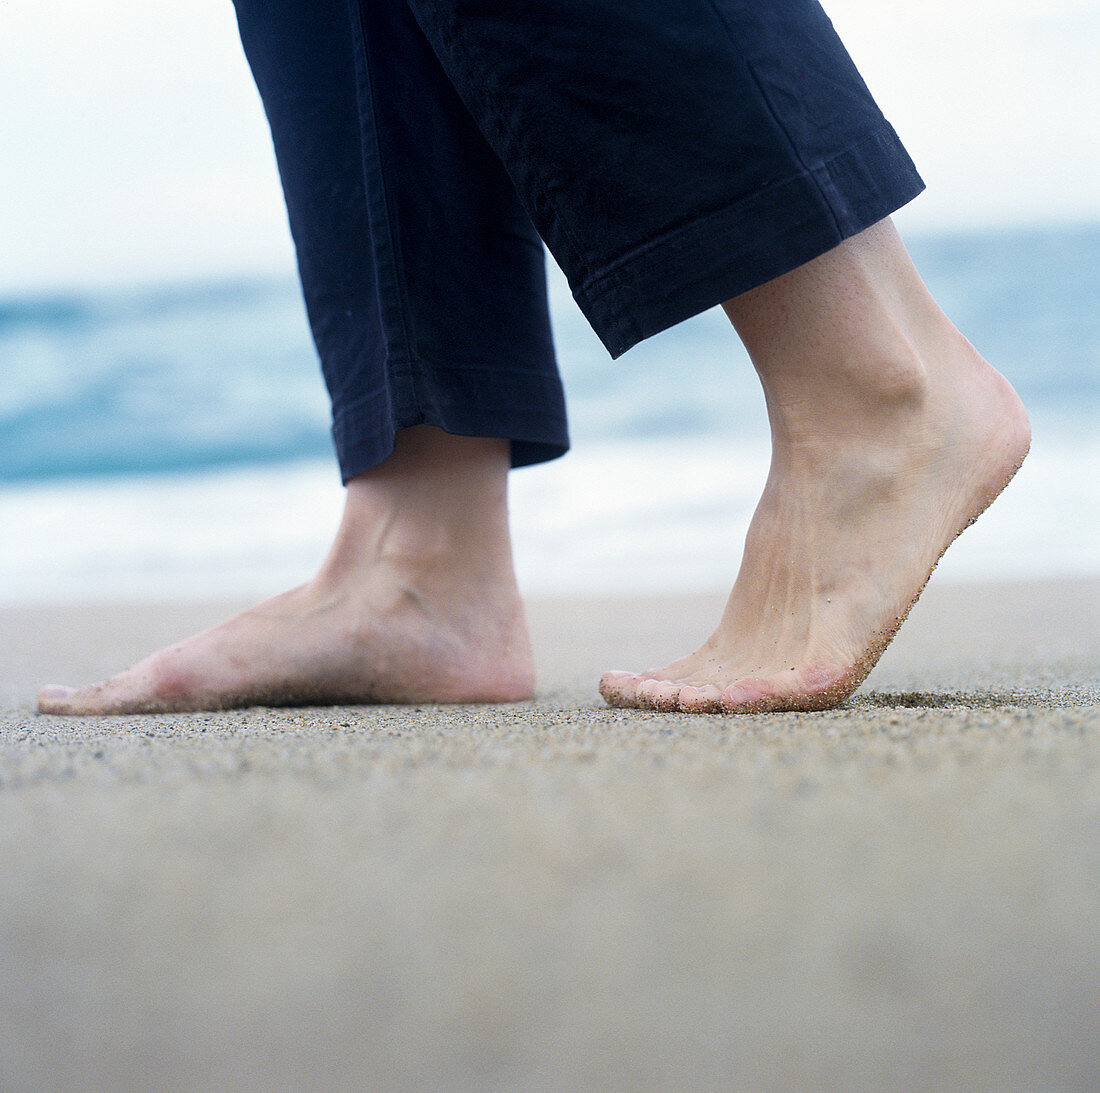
(416, 602)
(306, 647)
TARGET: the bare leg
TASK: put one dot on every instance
(890, 435)
(416, 602)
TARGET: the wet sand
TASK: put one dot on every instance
(900, 894)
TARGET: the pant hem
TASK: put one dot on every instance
(724, 253)
(465, 401)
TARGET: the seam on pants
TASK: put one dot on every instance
(810, 171)
(394, 260)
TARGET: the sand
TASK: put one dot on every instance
(903, 894)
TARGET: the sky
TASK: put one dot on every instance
(133, 145)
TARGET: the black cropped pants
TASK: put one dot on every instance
(671, 154)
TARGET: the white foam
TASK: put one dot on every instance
(627, 516)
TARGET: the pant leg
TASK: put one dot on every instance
(423, 277)
(673, 153)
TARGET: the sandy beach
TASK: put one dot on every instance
(903, 893)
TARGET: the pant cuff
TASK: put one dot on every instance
(729, 251)
(526, 408)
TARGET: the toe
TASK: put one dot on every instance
(55, 698)
(613, 677)
(666, 697)
(617, 688)
(87, 701)
(111, 696)
(748, 696)
(657, 694)
(702, 699)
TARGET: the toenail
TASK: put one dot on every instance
(56, 690)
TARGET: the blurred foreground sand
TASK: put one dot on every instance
(901, 894)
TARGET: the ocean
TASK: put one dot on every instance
(170, 441)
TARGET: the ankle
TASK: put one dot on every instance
(437, 506)
(879, 395)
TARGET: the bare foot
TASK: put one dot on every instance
(890, 436)
(417, 602)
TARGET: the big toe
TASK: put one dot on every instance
(94, 700)
(619, 688)
(55, 698)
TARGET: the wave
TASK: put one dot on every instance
(186, 377)
(659, 515)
